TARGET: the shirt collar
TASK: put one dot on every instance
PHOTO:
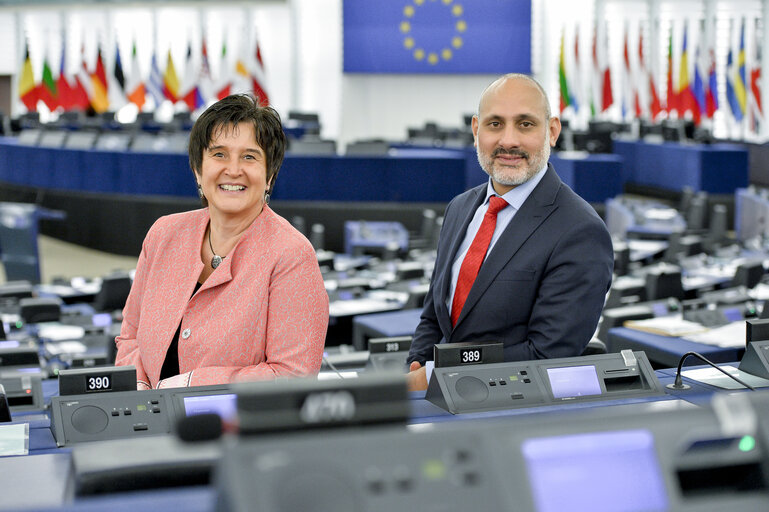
(519, 194)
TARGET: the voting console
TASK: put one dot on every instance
(643, 457)
(128, 414)
(498, 386)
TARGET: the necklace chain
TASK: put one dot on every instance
(216, 260)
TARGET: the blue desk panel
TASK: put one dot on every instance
(595, 177)
(415, 175)
(716, 168)
(666, 351)
(409, 175)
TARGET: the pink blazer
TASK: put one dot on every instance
(262, 313)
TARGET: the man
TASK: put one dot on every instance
(545, 257)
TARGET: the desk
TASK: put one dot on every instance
(203, 498)
(666, 351)
(418, 175)
(595, 177)
(716, 168)
(384, 325)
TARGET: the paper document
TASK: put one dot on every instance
(715, 378)
(731, 335)
(673, 325)
(14, 439)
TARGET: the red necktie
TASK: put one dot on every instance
(475, 256)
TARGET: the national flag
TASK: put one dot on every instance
(135, 86)
(731, 95)
(28, 91)
(48, 93)
(755, 80)
(711, 92)
(739, 80)
(62, 83)
(190, 93)
(224, 84)
(99, 98)
(258, 76)
(83, 88)
(117, 90)
(735, 82)
(205, 83)
(671, 102)
(155, 83)
(698, 87)
(562, 80)
(647, 76)
(686, 99)
(630, 101)
(603, 73)
(118, 71)
(170, 80)
(575, 87)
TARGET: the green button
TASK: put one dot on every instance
(141, 407)
(513, 377)
(434, 469)
(747, 443)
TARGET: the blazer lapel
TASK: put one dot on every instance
(537, 207)
(444, 284)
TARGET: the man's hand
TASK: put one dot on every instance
(417, 377)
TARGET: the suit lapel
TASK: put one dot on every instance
(537, 207)
(458, 235)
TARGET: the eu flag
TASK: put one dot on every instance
(437, 36)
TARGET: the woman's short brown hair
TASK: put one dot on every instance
(228, 113)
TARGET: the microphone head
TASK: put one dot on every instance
(199, 427)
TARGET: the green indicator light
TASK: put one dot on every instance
(513, 377)
(747, 443)
(141, 407)
(19, 324)
(434, 470)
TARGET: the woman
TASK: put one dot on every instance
(231, 291)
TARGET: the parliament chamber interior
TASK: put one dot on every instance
(662, 134)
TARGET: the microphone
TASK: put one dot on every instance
(200, 427)
(331, 365)
(679, 385)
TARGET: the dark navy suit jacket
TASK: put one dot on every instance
(540, 290)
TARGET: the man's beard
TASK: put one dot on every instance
(514, 176)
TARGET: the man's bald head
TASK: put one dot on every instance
(515, 76)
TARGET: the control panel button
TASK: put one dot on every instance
(156, 409)
(502, 383)
(116, 413)
(517, 396)
(492, 383)
(141, 426)
(127, 412)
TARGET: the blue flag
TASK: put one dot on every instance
(437, 36)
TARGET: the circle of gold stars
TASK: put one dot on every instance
(433, 55)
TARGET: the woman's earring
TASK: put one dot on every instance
(266, 198)
(200, 191)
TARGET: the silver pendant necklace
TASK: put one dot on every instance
(216, 260)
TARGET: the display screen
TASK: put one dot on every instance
(224, 405)
(733, 314)
(573, 381)
(9, 344)
(595, 472)
(98, 383)
(101, 320)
